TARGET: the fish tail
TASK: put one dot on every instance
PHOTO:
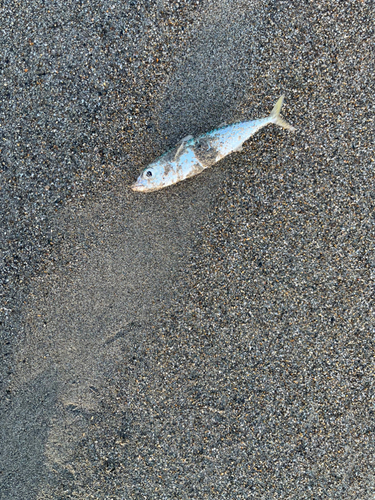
(275, 115)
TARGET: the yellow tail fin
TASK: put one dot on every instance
(275, 115)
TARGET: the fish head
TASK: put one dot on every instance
(152, 178)
(174, 166)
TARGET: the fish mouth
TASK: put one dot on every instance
(142, 187)
(137, 187)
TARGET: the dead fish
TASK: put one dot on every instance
(191, 156)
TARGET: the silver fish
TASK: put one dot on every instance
(192, 156)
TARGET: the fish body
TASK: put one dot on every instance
(192, 156)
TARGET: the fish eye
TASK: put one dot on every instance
(148, 173)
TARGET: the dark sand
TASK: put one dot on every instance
(215, 339)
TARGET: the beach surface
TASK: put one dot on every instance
(215, 339)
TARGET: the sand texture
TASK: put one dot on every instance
(215, 339)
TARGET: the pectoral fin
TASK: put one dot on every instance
(187, 138)
(183, 141)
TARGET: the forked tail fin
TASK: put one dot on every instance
(275, 115)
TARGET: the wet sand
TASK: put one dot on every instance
(213, 339)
